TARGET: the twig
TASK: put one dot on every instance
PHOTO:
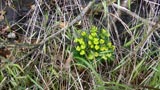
(134, 15)
(47, 88)
(151, 2)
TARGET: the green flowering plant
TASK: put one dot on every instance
(94, 45)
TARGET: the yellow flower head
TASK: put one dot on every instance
(94, 34)
(96, 41)
(108, 34)
(103, 31)
(78, 48)
(96, 54)
(76, 40)
(89, 42)
(96, 47)
(103, 48)
(101, 41)
(83, 33)
(109, 44)
(90, 37)
(82, 52)
(92, 46)
(109, 55)
(91, 56)
(94, 29)
(81, 41)
(83, 46)
(104, 57)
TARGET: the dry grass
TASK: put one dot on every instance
(41, 56)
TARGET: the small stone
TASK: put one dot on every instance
(11, 35)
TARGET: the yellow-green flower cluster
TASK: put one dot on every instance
(81, 46)
(94, 44)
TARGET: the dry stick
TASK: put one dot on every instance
(151, 2)
(134, 15)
